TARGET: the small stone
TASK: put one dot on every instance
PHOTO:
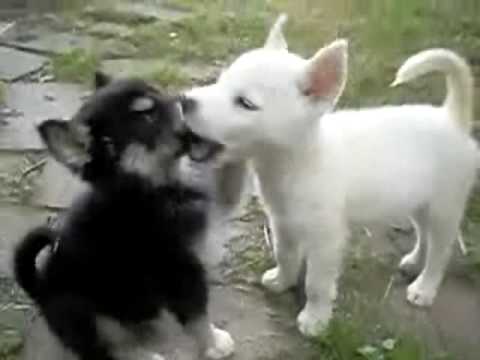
(49, 96)
(6, 111)
(80, 24)
(46, 78)
(389, 344)
(173, 35)
(368, 351)
(116, 48)
(108, 30)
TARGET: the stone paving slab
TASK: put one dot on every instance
(56, 42)
(31, 103)
(15, 64)
(15, 220)
(259, 332)
(57, 187)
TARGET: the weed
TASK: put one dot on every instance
(249, 256)
(169, 76)
(75, 66)
(3, 92)
(205, 36)
(346, 339)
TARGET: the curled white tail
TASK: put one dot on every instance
(459, 100)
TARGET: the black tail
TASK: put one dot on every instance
(24, 259)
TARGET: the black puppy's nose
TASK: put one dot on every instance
(188, 105)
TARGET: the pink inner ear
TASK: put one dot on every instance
(324, 77)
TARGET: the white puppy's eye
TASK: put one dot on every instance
(246, 103)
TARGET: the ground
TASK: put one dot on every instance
(46, 65)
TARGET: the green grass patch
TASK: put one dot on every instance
(248, 256)
(347, 339)
(75, 66)
(3, 92)
(205, 36)
(169, 76)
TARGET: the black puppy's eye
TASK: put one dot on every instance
(245, 103)
(148, 118)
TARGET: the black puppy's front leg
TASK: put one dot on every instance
(73, 320)
(188, 301)
(213, 342)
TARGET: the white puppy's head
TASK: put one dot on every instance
(268, 96)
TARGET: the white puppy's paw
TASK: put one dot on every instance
(421, 294)
(155, 356)
(274, 281)
(223, 346)
(312, 323)
(410, 264)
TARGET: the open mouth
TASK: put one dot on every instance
(200, 149)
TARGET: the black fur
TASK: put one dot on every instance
(124, 249)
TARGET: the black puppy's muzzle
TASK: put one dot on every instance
(188, 105)
(198, 148)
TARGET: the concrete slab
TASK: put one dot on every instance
(10, 162)
(31, 103)
(258, 327)
(15, 221)
(15, 64)
(56, 42)
(57, 187)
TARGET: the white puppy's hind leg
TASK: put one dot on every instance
(443, 232)
(289, 259)
(324, 257)
(411, 262)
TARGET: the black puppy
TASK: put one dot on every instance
(124, 251)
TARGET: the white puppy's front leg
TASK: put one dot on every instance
(287, 254)
(324, 254)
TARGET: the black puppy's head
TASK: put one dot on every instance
(126, 126)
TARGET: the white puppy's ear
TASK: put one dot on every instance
(66, 142)
(275, 39)
(326, 73)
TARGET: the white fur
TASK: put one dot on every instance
(319, 171)
(223, 345)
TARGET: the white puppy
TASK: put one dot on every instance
(319, 170)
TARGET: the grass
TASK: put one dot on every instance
(382, 35)
(346, 339)
(169, 76)
(204, 37)
(358, 330)
(249, 256)
(3, 92)
(75, 66)
(16, 186)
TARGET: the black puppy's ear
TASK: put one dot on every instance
(101, 79)
(66, 142)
